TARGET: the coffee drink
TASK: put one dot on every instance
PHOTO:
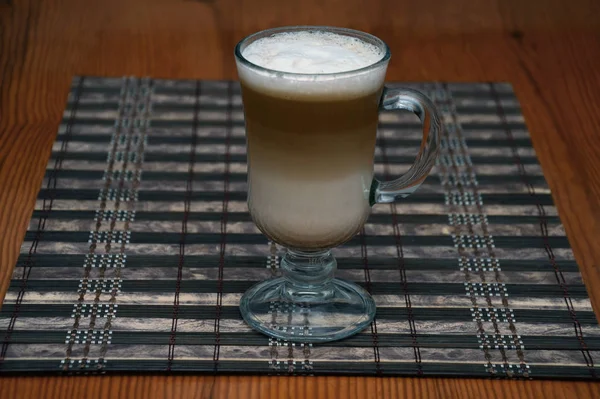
(311, 98)
(311, 135)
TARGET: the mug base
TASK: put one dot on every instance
(268, 307)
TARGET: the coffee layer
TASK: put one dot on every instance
(310, 166)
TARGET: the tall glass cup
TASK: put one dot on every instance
(311, 144)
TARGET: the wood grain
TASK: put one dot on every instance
(548, 49)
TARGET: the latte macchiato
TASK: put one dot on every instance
(311, 99)
(311, 135)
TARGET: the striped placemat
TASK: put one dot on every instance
(140, 246)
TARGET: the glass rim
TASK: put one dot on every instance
(371, 39)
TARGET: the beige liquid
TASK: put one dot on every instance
(310, 164)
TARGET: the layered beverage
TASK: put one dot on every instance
(311, 131)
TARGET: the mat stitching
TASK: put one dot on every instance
(489, 246)
(94, 236)
(131, 203)
(464, 255)
(108, 247)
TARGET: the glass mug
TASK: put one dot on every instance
(311, 145)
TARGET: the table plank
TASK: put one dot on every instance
(549, 51)
(234, 387)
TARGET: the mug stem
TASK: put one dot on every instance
(307, 304)
(308, 276)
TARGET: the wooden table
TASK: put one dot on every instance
(549, 50)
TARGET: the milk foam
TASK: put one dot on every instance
(312, 52)
(318, 53)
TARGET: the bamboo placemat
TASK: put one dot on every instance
(140, 247)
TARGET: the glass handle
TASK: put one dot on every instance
(420, 105)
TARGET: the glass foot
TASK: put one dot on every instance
(280, 310)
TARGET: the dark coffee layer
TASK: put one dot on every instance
(317, 139)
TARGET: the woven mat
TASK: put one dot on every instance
(140, 247)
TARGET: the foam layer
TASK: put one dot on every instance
(312, 52)
(314, 56)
